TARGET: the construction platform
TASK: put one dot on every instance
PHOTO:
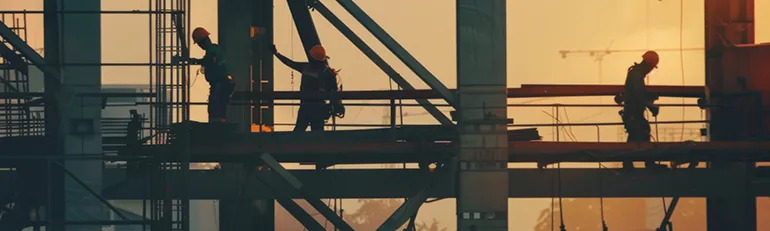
(408, 144)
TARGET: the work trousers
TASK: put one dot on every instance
(219, 97)
(313, 114)
(638, 129)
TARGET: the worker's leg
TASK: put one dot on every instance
(317, 123)
(217, 103)
(647, 133)
(225, 92)
(302, 118)
(210, 107)
(632, 130)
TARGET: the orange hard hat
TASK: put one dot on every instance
(199, 33)
(652, 58)
(318, 53)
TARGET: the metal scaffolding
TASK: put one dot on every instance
(159, 147)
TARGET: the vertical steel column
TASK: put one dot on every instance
(728, 23)
(262, 61)
(262, 82)
(54, 138)
(243, 45)
(234, 38)
(482, 198)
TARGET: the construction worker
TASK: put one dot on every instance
(215, 69)
(317, 78)
(635, 100)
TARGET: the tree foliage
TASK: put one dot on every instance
(629, 215)
(369, 216)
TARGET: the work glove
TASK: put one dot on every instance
(655, 110)
(274, 50)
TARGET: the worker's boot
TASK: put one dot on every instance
(653, 165)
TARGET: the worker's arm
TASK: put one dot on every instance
(194, 61)
(297, 66)
(288, 62)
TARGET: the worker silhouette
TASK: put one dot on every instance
(319, 83)
(215, 69)
(636, 100)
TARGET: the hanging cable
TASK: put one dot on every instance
(601, 197)
(681, 60)
(561, 204)
(291, 40)
(553, 199)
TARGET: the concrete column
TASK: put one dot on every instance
(737, 212)
(234, 20)
(235, 38)
(482, 200)
(79, 40)
(732, 21)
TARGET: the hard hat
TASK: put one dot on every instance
(318, 53)
(652, 58)
(199, 33)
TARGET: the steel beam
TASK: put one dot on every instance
(92, 192)
(400, 52)
(525, 91)
(278, 192)
(384, 66)
(27, 51)
(397, 183)
(311, 199)
(305, 26)
(16, 62)
(408, 210)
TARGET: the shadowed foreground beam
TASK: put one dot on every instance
(396, 183)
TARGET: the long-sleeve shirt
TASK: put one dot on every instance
(637, 99)
(315, 78)
(214, 64)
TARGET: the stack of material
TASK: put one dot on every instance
(529, 134)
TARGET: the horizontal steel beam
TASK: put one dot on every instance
(525, 91)
(397, 183)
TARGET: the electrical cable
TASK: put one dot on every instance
(681, 59)
(566, 115)
(553, 199)
(561, 204)
(601, 198)
(291, 40)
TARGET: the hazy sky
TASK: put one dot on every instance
(537, 30)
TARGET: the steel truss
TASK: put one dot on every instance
(165, 163)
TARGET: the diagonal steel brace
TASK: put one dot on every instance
(297, 185)
(398, 50)
(384, 66)
(409, 208)
(91, 191)
(288, 203)
(672, 206)
(14, 59)
(27, 51)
